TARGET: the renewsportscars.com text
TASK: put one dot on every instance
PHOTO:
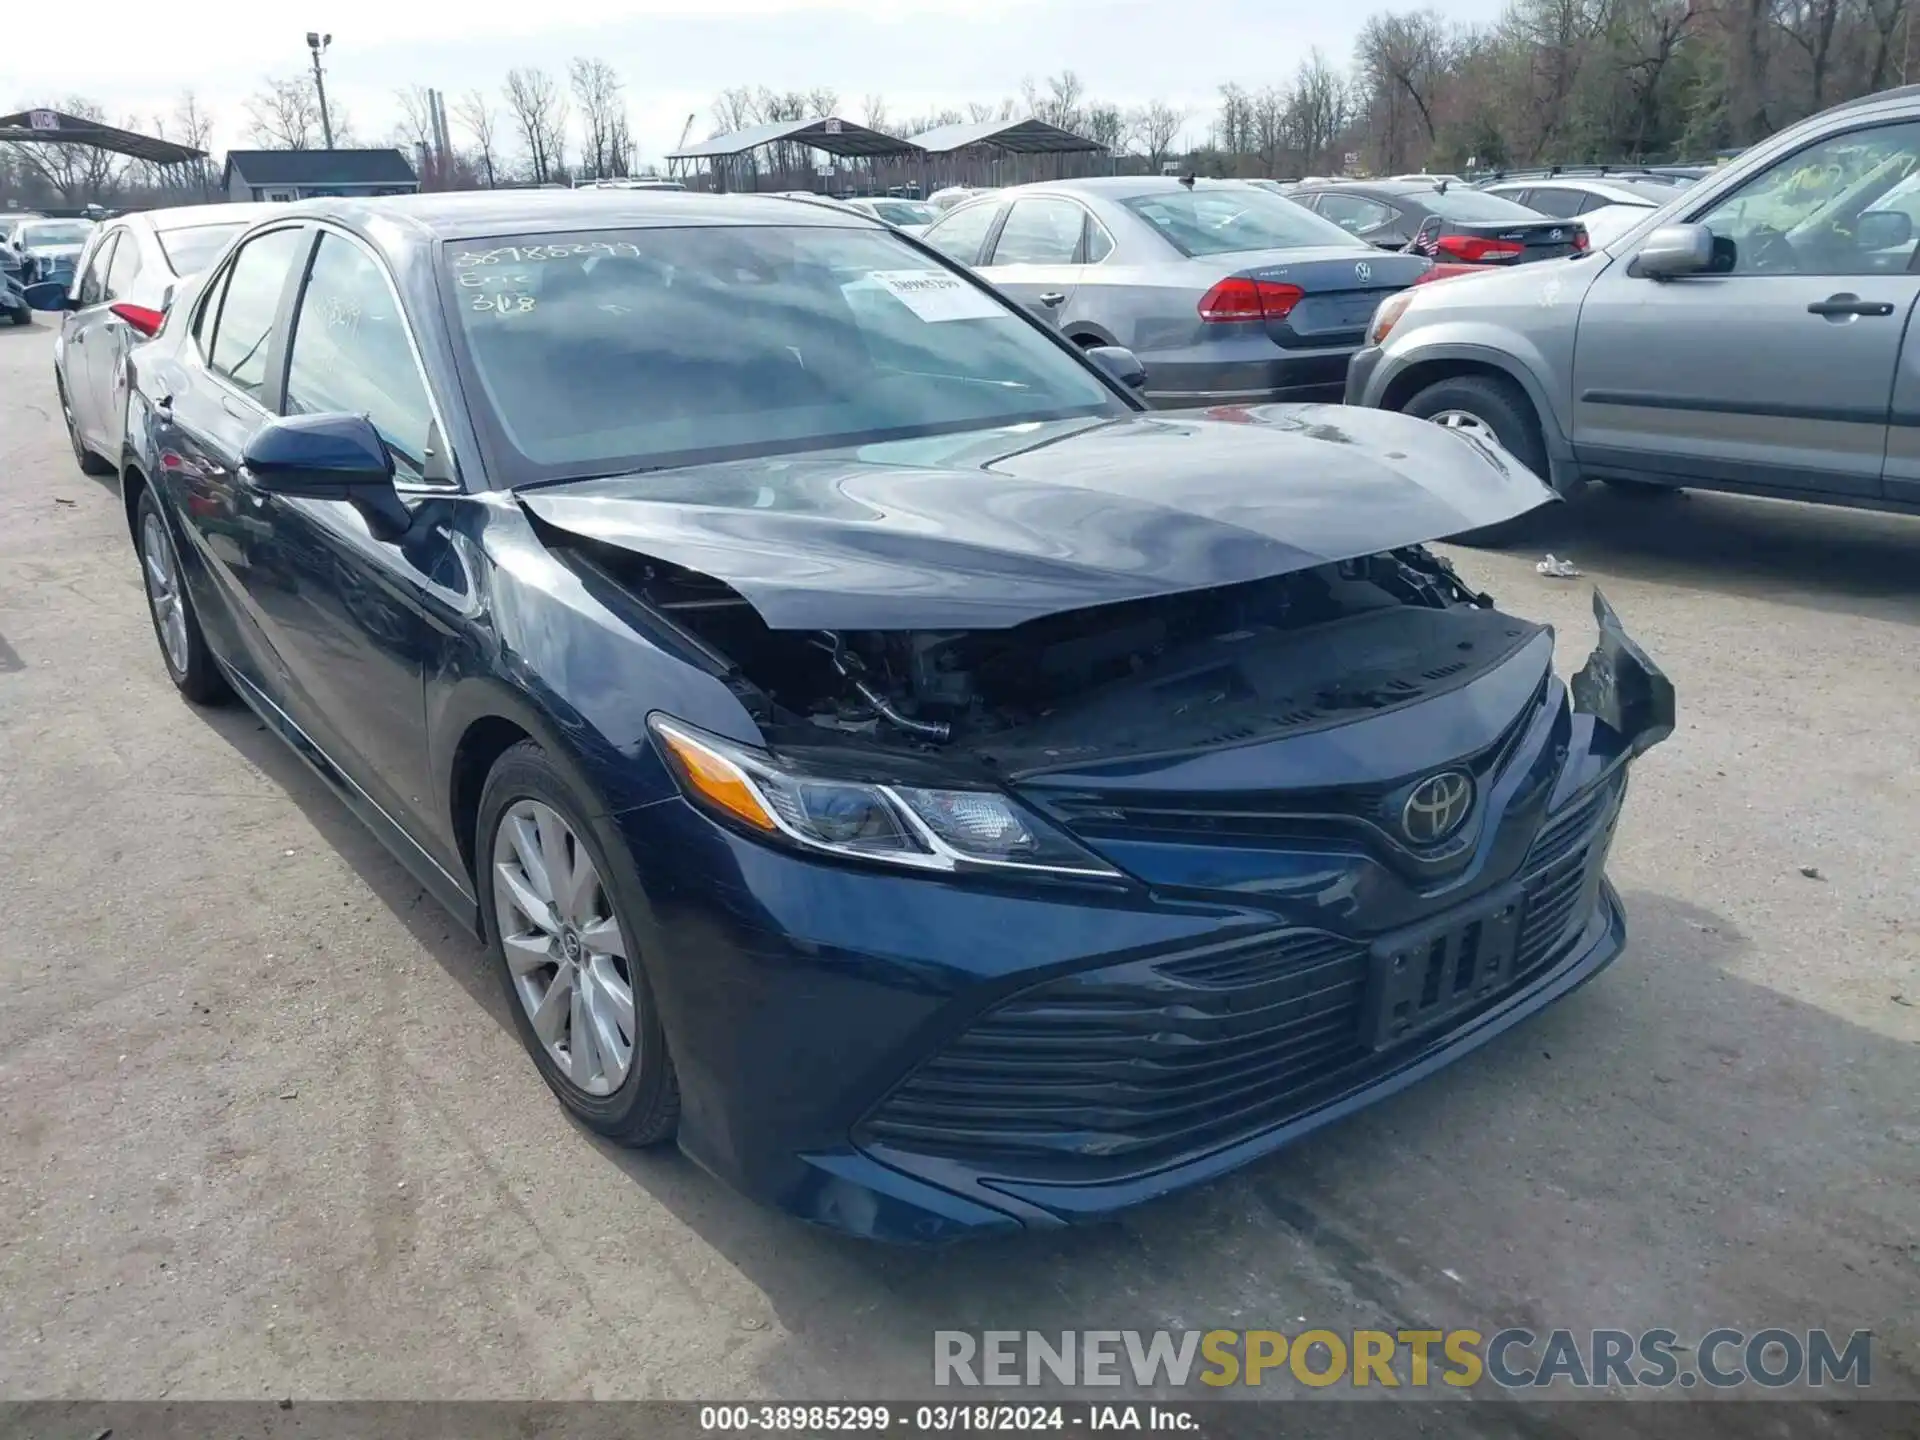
(1512, 1358)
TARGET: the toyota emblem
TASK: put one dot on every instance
(1363, 272)
(1438, 806)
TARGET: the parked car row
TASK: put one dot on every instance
(879, 751)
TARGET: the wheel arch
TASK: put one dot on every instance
(1417, 375)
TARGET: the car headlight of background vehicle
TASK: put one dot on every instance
(924, 829)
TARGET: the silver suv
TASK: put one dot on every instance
(1751, 335)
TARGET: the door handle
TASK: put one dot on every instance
(1847, 303)
(1053, 298)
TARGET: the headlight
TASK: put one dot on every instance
(1388, 315)
(899, 824)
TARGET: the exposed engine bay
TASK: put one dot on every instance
(1207, 667)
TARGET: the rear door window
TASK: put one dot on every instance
(1354, 214)
(962, 232)
(1554, 200)
(93, 281)
(1040, 231)
(125, 268)
(243, 334)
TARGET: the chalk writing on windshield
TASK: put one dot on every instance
(519, 254)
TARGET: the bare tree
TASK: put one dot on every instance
(1403, 59)
(736, 109)
(822, 102)
(476, 113)
(1317, 105)
(1058, 101)
(873, 113)
(1153, 128)
(1105, 125)
(603, 116)
(193, 127)
(285, 114)
(540, 115)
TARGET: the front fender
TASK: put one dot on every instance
(1510, 352)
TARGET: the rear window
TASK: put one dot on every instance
(56, 232)
(905, 212)
(192, 249)
(1220, 221)
(1472, 205)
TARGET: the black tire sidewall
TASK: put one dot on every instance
(202, 681)
(1496, 403)
(526, 773)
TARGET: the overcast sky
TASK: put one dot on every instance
(676, 55)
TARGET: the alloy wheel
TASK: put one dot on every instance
(1466, 422)
(163, 591)
(564, 947)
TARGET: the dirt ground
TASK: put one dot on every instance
(265, 1129)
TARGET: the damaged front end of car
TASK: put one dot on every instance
(1211, 865)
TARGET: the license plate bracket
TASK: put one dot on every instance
(1425, 975)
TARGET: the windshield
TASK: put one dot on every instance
(602, 352)
(1470, 205)
(191, 250)
(56, 232)
(904, 212)
(1219, 221)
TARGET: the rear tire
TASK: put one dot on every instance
(89, 463)
(565, 922)
(1500, 409)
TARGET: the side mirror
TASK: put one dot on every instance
(49, 295)
(1675, 250)
(1883, 230)
(1119, 363)
(328, 457)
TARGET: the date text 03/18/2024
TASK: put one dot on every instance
(944, 1418)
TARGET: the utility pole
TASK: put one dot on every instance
(318, 43)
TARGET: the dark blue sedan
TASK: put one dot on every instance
(878, 754)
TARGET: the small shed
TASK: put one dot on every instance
(1006, 152)
(776, 157)
(301, 174)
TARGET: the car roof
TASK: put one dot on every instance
(473, 214)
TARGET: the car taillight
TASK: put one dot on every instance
(140, 317)
(1476, 250)
(1579, 240)
(1241, 297)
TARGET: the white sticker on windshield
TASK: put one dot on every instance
(936, 295)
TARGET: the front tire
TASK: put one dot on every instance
(183, 648)
(1498, 409)
(567, 956)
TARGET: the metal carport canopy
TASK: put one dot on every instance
(1021, 137)
(57, 128)
(825, 132)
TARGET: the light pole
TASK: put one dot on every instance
(318, 43)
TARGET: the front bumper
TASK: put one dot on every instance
(1360, 372)
(920, 1059)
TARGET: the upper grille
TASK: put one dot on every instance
(1138, 1063)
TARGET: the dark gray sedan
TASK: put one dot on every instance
(1228, 294)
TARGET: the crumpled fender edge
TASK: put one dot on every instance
(1621, 687)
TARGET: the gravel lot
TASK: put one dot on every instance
(265, 1129)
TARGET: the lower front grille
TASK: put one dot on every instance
(1140, 1063)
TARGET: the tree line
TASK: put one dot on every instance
(1552, 81)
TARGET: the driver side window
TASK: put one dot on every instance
(1803, 215)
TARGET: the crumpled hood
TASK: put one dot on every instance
(992, 528)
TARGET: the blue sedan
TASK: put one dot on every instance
(880, 755)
